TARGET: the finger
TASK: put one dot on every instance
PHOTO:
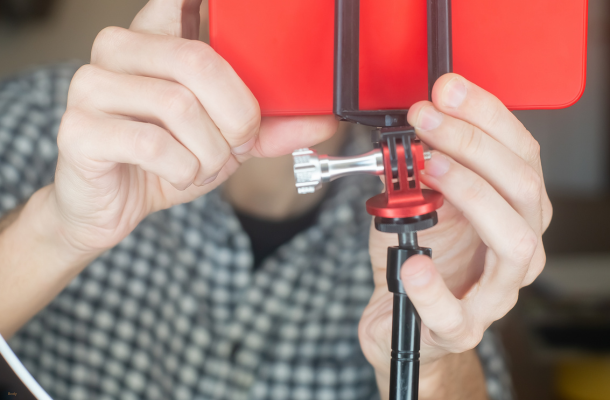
(450, 327)
(193, 64)
(547, 207)
(164, 103)
(517, 181)
(501, 228)
(179, 18)
(97, 144)
(536, 265)
(456, 96)
(282, 135)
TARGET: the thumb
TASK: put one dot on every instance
(279, 136)
(438, 308)
(179, 18)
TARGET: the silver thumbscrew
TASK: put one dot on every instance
(312, 170)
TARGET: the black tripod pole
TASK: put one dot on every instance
(404, 374)
(406, 324)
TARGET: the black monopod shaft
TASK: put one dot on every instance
(404, 374)
(406, 324)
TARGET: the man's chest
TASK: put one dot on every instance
(176, 310)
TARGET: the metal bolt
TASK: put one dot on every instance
(312, 170)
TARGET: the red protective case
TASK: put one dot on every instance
(529, 53)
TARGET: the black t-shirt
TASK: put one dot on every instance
(266, 236)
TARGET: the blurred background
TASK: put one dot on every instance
(558, 336)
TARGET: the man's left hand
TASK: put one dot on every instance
(488, 243)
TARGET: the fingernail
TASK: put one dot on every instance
(183, 187)
(210, 179)
(429, 119)
(416, 273)
(438, 165)
(207, 181)
(454, 93)
(244, 148)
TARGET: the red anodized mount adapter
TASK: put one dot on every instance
(403, 197)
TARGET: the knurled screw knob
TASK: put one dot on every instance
(312, 170)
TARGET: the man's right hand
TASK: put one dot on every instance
(158, 118)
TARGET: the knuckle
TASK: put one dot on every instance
(104, 40)
(541, 263)
(148, 143)
(476, 192)
(470, 140)
(214, 164)
(472, 340)
(547, 213)
(536, 268)
(364, 331)
(72, 138)
(71, 122)
(524, 248)
(452, 327)
(494, 111)
(83, 83)
(246, 126)
(530, 187)
(196, 57)
(508, 304)
(186, 174)
(532, 150)
(71, 119)
(467, 340)
(180, 101)
(84, 74)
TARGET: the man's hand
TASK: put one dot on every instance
(158, 118)
(488, 243)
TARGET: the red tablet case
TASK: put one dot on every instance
(529, 53)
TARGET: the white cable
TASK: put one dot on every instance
(23, 374)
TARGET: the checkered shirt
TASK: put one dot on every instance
(175, 311)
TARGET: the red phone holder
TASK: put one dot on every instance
(529, 53)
